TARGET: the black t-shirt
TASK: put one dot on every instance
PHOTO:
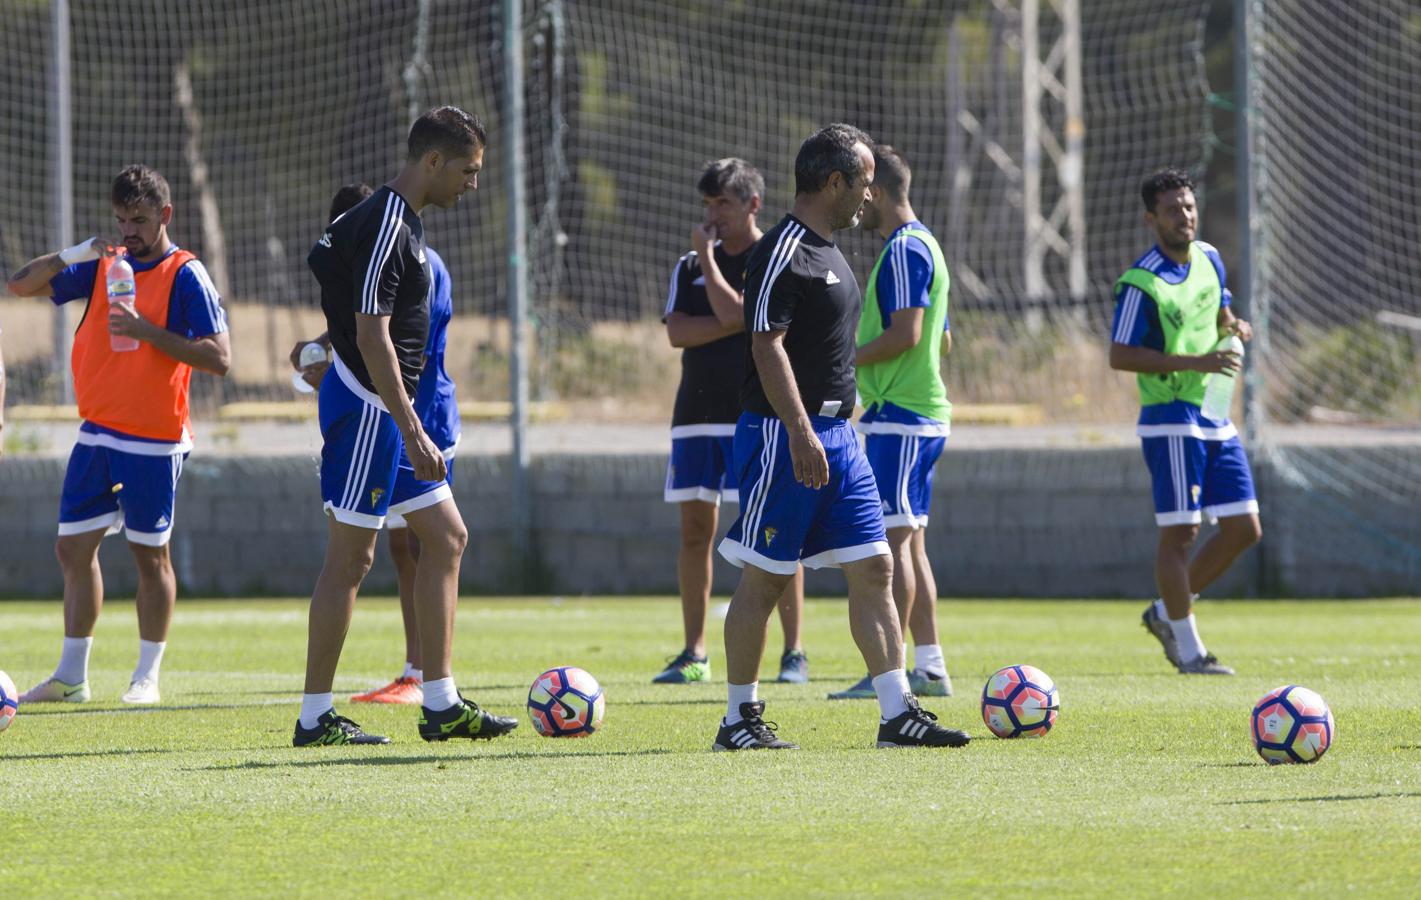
(799, 283)
(711, 374)
(371, 261)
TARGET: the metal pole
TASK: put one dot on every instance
(515, 186)
(1034, 279)
(1072, 173)
(1242, 274)
(62, 144)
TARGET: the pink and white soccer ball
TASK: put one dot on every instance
(1020, 701)
(1291, 724)
(566, 702)
(9, 701)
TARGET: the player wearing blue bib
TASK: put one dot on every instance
(704, 317)
(1172, 308)
(437, 407)
(807, 492)
(375, 284)
(123, 472)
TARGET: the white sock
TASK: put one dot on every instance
(73, 665)
(928, 658)
(440, 694)
(890, 688)
(1163, 613)
(150, 658)
(1186, 637)
(738, 694)
(313, 706)
(412, 672)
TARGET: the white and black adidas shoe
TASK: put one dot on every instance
(918, 728)
(751, 732)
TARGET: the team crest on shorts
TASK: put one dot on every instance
(1194, 492)
(375, 495)
(770, 535)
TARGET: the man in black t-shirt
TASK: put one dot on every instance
(374, 279)
(704, 317)
(807, 492)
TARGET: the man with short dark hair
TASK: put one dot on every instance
(1172, 314)
(373, 270)
(133, 398)
(902, 335)
(807, 493)
(704, 316)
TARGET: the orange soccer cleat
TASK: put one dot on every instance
(401, 690)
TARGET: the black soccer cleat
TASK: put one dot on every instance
(463, 719)
(751, 732)
(918, 728)
(332, 729)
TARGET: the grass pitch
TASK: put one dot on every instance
(1148, 786)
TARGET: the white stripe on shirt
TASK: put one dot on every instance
(380, 253)
(1129, 313)
(785, 247)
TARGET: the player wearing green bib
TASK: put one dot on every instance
(1172, 310)
(902, 334)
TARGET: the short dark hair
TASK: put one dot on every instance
(731, 176)
(447, 129)
(891, 171)
(1162, 181)
(826, 151)
(140, 184)
(347, 197)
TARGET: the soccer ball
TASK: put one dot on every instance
(1020, 701)
(9, 701)
(1291, 724)
(566, 702)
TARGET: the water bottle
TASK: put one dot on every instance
(121, 293)
(1219, 392)
(311, 354)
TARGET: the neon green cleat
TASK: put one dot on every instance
(926, 684)
(862, 690)
(52, 690)
(684, 669)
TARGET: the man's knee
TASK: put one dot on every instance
(1177, 538)
(1242, 531)
(351, 562)
(697, 525)
(74, 553)
(152, 562)
(449, 542)
(873, 570)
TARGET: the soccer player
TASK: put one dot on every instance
(123, 472)
(438, 411)
(375, 286)
(808, 492)
(705, 317)
(902, 334)
(1171, 312)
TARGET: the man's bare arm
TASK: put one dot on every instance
(904, 331)
(1127, 358)
(685, 330)
(372, 337)
(212, 353)
(32, 279)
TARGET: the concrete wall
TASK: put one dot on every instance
(1005, 522)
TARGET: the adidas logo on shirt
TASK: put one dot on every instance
(830, 277)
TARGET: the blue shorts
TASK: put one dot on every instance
(408, 487)
(361, 456)
(702, 464)
(1194, 478)
(782, 522)
(903, 467)
(111, 489)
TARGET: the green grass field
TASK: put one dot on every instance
(1148, 786)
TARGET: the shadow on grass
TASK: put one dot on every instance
(79, 754)
(162, 708)
(422, 760)
(1380, 795)
(1246, 764)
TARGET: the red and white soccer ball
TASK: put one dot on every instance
(1020, 701)
(566, 702)
(9, 701)
(1291, 724)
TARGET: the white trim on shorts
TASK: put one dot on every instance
(1228, 510)
(137, 448)
(358, 520)
(737, 554)
(686, 495)
(1181, 517)
(703, 430)
(833, 559)
(150, 538)
(111, 523)
(423, 501)
(934, 429)
(905, 520)
(1224, 432)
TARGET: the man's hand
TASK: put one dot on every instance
(811, 466)
(1240, 328)
(1223, 361)
(126, 322)
(702, 239)
(313, 373)
(428, 462)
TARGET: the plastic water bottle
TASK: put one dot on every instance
(311, 354)
(121, 293)
(1219, 392)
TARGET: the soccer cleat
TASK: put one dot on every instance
(1208, 664)
(751, 732)
(332, 729)
(52, 690)
(926, 684)
(794, 667)
(916, 727)
(863, 690)
(143, 692)
(1162, 632)
(684, 669)
(401, 690)
(463, 719)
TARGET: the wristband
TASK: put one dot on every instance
(79, 253)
